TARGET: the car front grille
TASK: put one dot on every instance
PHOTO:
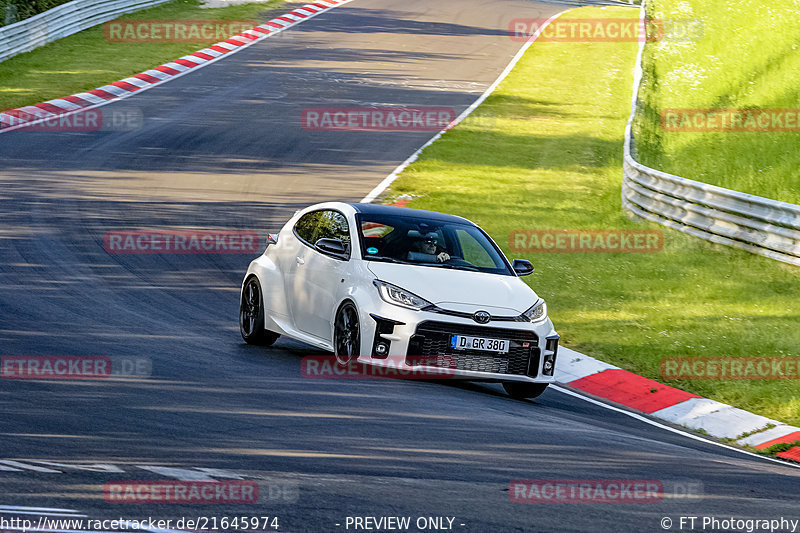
(430, 346)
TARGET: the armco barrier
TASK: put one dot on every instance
(61, 21)
(753, 223)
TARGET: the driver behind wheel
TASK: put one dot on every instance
(425, 248)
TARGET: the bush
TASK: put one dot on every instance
(21, 9)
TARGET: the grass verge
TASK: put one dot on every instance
(86, 60)
(747, 58)
(545, 152)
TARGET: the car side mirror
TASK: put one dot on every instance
(522, 267)
(331, 247)
(272, 238)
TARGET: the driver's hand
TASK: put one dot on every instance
(443, 256)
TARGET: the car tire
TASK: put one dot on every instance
(251, 315)
(346, 334)
(521, 390)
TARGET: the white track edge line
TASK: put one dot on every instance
(659, 425)
(383, 185)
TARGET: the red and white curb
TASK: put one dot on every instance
(32, 114)
(586, 374)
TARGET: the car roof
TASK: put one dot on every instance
(378, 209)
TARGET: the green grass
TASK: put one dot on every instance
(748, 58)
(780, 447)
(545, 152)
(85, 60)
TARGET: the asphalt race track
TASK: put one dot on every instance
(222, 148)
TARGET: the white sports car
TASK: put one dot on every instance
(381, 284)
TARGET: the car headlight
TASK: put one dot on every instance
(536, 313)
(397, 296)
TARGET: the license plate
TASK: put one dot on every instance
(463, 342)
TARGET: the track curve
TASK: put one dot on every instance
(223, 148)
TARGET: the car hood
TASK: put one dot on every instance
(458, 290)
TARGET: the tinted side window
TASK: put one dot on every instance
(326, 224)
(307, 227)
(333, 225)
(477, 252)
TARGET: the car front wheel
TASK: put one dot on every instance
(521, 390)
(251, 316)
(346, 334)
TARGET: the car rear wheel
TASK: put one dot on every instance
(521, 390)
(251, 315)
(346, 334)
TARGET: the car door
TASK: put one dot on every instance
(317, 280)
(297, 243)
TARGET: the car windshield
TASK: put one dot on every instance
(429, 242)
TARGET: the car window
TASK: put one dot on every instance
(333, 225)
(474, 251)
(306, 227)
(323, 224)
(428, 242)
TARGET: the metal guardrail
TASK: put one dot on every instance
(61, 21)
(759, 225)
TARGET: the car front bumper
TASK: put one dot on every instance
(419, 341)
